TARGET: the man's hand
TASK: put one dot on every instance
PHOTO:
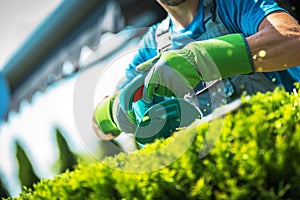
(100, 134)
(170, 73)
(177, 72)
(103, 123)
(109, 120)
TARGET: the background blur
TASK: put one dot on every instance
(17, 20)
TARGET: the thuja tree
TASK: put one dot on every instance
(26, 171)
(3, 189)
(67, 159)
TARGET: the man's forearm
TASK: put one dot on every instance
(276, 46)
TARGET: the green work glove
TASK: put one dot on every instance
(177, 72)
(109, 120)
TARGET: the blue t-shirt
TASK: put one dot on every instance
(239, 16)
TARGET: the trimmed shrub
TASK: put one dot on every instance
(255, 156)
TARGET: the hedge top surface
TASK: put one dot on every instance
(254, 155)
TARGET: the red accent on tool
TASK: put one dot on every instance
(138, 94)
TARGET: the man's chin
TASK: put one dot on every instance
(172, 2)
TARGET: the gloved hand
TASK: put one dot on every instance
(177, 72)
(109, 120)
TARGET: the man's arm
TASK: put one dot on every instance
(276, 45)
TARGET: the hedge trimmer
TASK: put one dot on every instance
(158, 117)
(148, 119)
(131, 111)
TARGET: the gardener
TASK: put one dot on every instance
(238, 46)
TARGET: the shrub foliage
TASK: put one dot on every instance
(256, 156)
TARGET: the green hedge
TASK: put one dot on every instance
(256, 156)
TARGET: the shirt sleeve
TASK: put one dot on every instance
(244, 16)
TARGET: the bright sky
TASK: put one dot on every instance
(17, 20)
